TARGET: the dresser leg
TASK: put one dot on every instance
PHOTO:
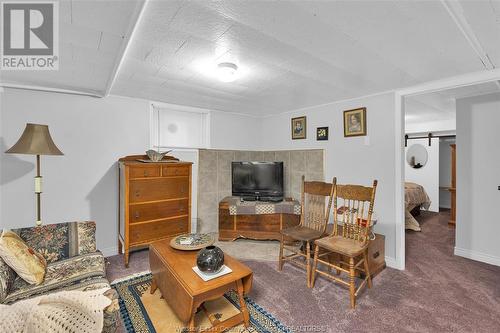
(126, 257)
(120, 249)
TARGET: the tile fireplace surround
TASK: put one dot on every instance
(214, 176)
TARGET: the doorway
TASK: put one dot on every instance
(454, 85)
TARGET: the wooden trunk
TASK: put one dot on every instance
(155, 202)
(258, 226)
(376, 253)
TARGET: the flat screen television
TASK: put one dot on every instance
(258, 180)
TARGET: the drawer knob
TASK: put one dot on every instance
(137, 193)
(145, 173)
(136, 215)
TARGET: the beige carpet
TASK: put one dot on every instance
(246, 249)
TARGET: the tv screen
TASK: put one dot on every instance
(258, 179)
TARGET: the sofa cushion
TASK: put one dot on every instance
(25, 261)
(77, 273)
(61, 240)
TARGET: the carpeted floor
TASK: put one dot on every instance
(438, 292)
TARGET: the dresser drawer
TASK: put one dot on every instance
(158, 210)
(158, 189)
(144, 171)
(177, 170)
(145, 232)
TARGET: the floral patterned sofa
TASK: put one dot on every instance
(73, 264)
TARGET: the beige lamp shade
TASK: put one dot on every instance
(35, 140)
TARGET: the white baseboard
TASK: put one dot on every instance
(109, 251)
(391, 262)
(478, 256)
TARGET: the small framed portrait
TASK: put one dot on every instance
(299, 128)
(355, 122)
(322, 133)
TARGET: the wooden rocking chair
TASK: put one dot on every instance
(352, 241)
(313, 221)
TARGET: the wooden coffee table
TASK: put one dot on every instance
(185, 291)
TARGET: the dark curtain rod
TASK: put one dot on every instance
(430, 136)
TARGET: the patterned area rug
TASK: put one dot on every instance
(148, 313)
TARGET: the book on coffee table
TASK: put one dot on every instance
(210, 276)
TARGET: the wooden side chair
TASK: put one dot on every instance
(349, 241)
(313, 220)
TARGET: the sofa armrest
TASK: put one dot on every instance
(61, 240)
(111, 312)
(7, 276)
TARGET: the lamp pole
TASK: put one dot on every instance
(38, 191)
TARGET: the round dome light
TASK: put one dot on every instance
(226, 71)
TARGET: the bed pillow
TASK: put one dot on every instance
(26, 262)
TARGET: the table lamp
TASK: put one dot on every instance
(36, 140)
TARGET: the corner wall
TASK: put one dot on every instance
(357, 160)
(478, 178)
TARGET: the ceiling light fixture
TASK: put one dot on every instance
(226, 71)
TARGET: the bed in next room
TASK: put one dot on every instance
(415, 196)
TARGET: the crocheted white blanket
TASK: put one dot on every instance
(61, 312)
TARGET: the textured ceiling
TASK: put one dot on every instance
(90, 37)
(290, 54)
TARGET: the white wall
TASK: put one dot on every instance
(478, 176)
(416, 126)
(83, 184)
(357, 160)
(445, 171)
(428, 175)
(234, 131)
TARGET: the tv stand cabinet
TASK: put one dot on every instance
(256, 219)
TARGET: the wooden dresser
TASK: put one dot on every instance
(155, 202)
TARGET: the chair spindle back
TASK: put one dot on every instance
(316, 203)
(356, 210)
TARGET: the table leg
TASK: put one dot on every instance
(154, 286)
(191, 327)
(243, 305)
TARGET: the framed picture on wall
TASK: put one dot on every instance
(322, 133)
(299, 128)
(355, 122)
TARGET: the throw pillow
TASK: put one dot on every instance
(26, 262)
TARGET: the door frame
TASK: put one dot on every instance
(464, 80)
